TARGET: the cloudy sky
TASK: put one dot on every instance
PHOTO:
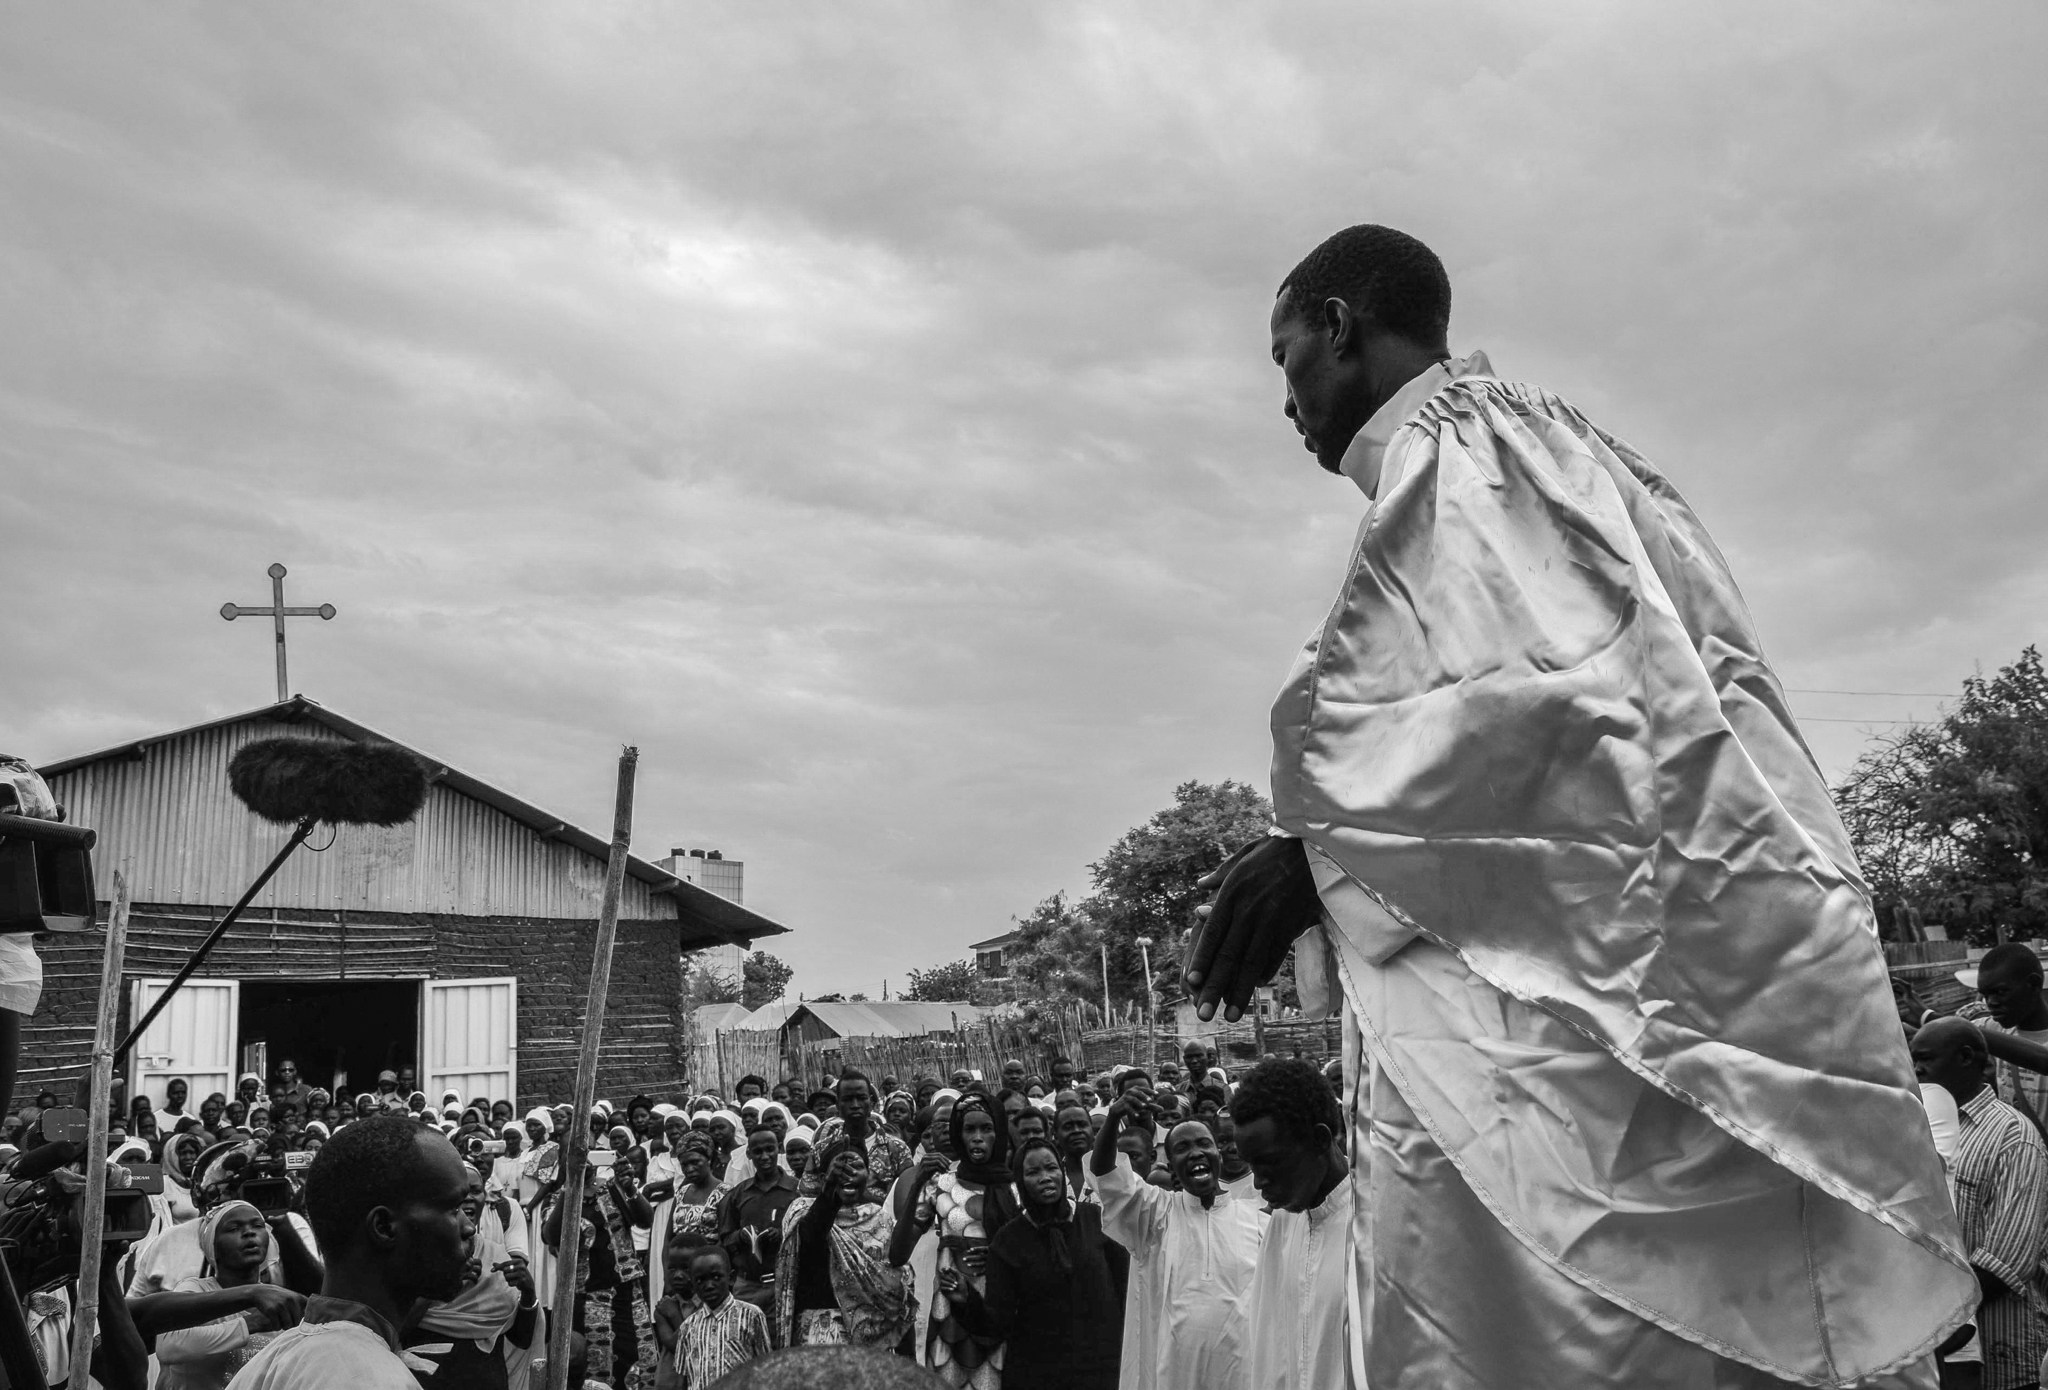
(865, 409)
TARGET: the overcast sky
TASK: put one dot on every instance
(866, 409)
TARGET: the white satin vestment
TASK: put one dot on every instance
(1634, 1109)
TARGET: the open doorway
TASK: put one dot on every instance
(348, 1029)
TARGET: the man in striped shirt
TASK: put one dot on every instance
(2000, 1173)
(2009, 982)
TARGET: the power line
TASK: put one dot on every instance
(1825, 719)
(1901, 694)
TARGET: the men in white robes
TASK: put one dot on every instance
(1192, 1256)
(1288, 1127)
(1630, 1103)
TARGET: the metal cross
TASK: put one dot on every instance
(278, 612)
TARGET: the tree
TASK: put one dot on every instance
(704, 984)
(763, 979)
(1145, 884)
(955, 982)
(1950, 819)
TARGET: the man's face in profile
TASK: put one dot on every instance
(1323, 389)
(2008, 990)
(430, 1227)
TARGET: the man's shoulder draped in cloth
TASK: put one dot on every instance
(1638, 1108)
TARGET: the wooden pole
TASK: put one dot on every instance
(576, 1144)
(86, 1319)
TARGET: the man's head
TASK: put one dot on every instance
(1062, 1072)
(1349, 326)
(288, 1073)
(407, 1078)
(1287, 1123)
(1950, 1053)
(1072, 1131)
(962, 1078)
(387, 1082)
(855, 1097)
(1196, 1162)
(710, 1275)
(1013, 1074)
(2009, 978)
(1015, 1106)
(764, 1151)
(385, 1200)
(175, 1092)
(749, 1087)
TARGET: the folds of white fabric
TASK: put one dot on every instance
(1538, 731)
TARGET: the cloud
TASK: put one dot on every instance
(867, 412)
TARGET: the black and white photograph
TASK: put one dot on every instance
(1056, 696)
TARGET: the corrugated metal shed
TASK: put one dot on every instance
(163, 805)
(891, 1018)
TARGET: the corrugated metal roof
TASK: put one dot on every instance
(719, 1018)
(889, 1018)
(766, 1018)
(993, 942)
(162, 804)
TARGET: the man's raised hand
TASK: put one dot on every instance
(1265, 897)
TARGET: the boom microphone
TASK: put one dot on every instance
(301, 782)
(289, 780)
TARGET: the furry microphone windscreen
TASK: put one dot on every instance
(288, 779)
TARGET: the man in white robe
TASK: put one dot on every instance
(1192, 1256)
(1630, 1101)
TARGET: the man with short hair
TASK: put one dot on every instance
(2009, 988)
(388, 1203)
(1287, 1125)
(1062, 1073)
(888, 1156)
(750, 1219)
(1547, 821)
(290, 1087)
(2000, 1175)
(1014, 1074)
(1192, 1251)
(1197, 1058)
(750, 1087)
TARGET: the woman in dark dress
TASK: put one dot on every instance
(1055, 1292)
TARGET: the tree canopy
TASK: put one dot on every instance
(763, 978)
(954, 982)
(1144, 885)
(1950, 818)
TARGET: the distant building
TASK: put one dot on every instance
(457, 943)
(819, 1022)
(991, 957)
(714, 873)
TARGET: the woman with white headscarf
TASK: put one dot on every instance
(234, 1241)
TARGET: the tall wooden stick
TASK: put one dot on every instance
(576, 1144)
(86, 1320)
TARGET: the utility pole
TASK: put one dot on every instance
(1151, 1022)
(1105, 984)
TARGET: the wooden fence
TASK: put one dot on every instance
(1075, 1031)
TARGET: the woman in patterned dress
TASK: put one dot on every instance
(833, 1282)
(967, 1206)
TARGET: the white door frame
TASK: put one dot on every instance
(512, 1049)
(145, 991)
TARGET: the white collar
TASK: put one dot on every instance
(1361, 463)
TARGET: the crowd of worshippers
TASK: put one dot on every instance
(1137, 1228)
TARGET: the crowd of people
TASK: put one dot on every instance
(1021, 1230)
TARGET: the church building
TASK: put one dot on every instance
(457, 944)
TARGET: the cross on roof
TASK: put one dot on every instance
(278, 613)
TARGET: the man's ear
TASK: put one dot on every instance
(383, 1224)
(1345, 327)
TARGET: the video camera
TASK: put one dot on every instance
(45, 865)
(244, 1169)
(42, 1197)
